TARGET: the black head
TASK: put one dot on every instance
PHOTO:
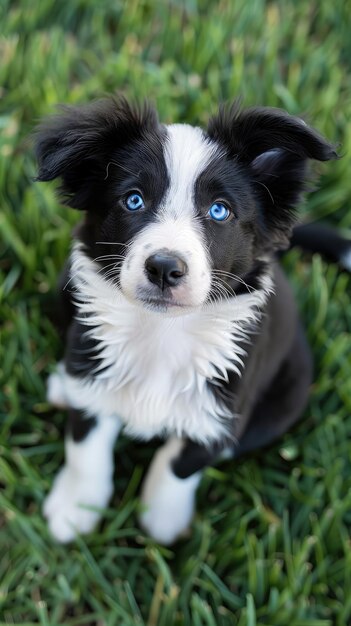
(212, 205)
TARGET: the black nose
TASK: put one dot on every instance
(165, 270)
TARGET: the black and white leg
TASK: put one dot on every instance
(169, 489)
(86, 479)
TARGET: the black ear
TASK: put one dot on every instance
(274, 147)
(76, 144)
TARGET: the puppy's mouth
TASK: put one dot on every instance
(162, 304)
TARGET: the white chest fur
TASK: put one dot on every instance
(154, 369)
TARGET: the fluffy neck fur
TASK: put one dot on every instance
(155, 369)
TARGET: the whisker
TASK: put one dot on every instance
(113, 243)
(234, 277)
(227, 288)
(105, 257)
(266, 188)
(122, 167)
(111, 274)
(105, 272)
(218, 290)
(114, 263)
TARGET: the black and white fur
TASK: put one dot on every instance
(202, 346)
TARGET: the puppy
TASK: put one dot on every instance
(178, 320)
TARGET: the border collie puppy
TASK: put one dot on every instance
(178, 321)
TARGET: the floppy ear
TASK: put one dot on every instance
(76, 145)
(275, 147)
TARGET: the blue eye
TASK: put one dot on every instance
(218, 212)
(134, 202)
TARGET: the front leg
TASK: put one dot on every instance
(86, 478)
(168, 493)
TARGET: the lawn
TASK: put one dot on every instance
(270, 543)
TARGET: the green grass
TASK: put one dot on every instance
(271, 540)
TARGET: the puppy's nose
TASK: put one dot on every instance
(165, 270)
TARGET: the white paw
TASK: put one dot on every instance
(64, 506)
(55, 393)
(169, 501)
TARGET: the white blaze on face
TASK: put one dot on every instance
(176, 228)
(188, 153)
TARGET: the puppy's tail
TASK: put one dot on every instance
(325, 240)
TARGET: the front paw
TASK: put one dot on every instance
(165, 525)
(169, 506)
(65, 505)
